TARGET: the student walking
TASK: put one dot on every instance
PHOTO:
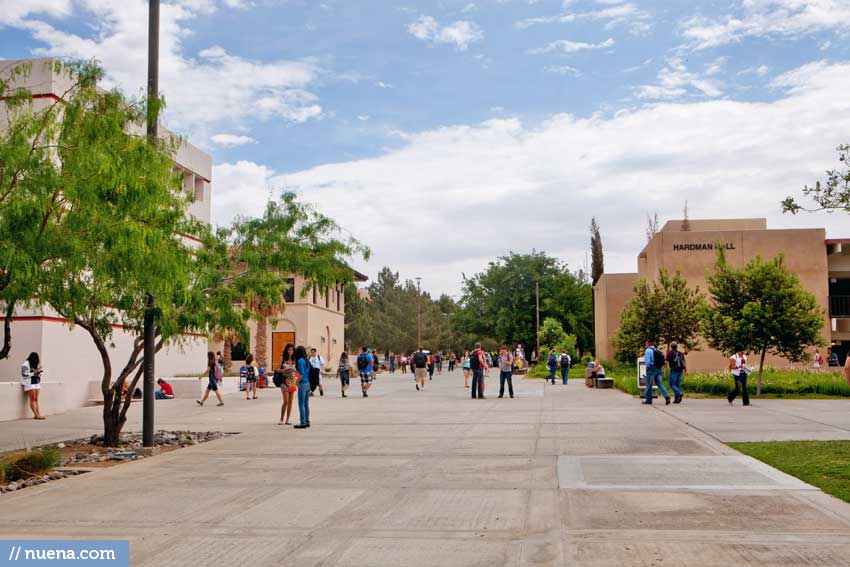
(251, 373)
(303, 368)
(365, 365)
(420, 368)
(31, 383)
(654, 361)
(552, 364)
(678, 368)
(506, 371)
(392, 362)
(431, 364)
(740, 371)
(566, 362)
(440, 362)
(477, 364)
(286, 379)
(344, 373)
(316, 365)
(211, 375)
(404, 364)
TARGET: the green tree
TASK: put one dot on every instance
(761, 308)
(833, 194)
(597, 258)
(552, 336)
(662, 311)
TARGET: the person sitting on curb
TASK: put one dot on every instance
(165, 391)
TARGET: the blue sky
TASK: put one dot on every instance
(546, 112)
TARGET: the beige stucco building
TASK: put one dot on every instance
(822, 265)
(72, 365)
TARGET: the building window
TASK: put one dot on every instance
(199, 189)
(327, 299)
(289, 294)
(338, 299)
(315, 295)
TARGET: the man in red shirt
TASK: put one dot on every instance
(165, 391)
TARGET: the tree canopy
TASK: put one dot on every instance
(831, 195)
(662, 311)
(761, 308)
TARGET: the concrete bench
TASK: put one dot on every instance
(185, 388)
(15, 405)
(604, 383)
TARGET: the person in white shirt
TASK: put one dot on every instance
(31, 382)
(740, 371)
(316, 365)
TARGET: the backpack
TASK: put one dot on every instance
(553, 361)
(657, 358)
(218, 373)
(362, 361)
(420, 359)
(475, 360)
(678, 361)
(565, 361)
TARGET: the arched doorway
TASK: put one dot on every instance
(329, 349)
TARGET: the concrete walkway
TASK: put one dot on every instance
(558, 476)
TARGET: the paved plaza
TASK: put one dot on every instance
(557, 476)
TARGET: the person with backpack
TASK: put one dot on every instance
(420, 368)
(740, 371)
(552, 364)
(506, 371)
(678, 368)
(566, 362)
(477, 364)
(212, 374)
(432, 361)
(654, 361)
(303, 368)
(343, 372)
(365, 362)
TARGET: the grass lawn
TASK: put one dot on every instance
(825, 464)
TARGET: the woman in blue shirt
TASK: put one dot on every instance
(302, 366)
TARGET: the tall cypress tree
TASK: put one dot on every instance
(597, 257)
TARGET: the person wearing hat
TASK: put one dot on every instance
(678, 368)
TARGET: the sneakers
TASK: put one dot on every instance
(343, 394)
(417, 387)
(220, 404)
(365, 395)
(667, 401)
(678, 400)
(301, 426)
(200, 403)
(646, 403)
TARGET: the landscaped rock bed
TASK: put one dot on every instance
(89, 452)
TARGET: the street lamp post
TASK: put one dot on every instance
(419, 312)
(150, 318)
(537, 306)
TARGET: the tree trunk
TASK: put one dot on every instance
(228, 351)
(7, 331)
(761, 369)
(261, 347)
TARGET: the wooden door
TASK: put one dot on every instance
(279, 342)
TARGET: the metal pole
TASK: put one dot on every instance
(537, 302)
(419, 312)
(150, 318)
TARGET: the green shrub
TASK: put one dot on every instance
(30, 464)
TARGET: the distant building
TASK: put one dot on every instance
(823, 267)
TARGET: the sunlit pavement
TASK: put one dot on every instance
(559, 475)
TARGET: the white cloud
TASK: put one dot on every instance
(567, 46)
(384, 85)
(760, 18)
(614, 14)
(231, 140)
(565, 70)
(12, 12)
(363, 117)
(460, 33)
(213, 89)
(675, 81)
(471, 7)
(538, 186)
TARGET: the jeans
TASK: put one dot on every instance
(654, 376)
(740, 388)
(160, 396)
(675, 380)
(552, 374)
(506, 375)
(315, 378)
(565, 375)
(304, 401)
(477, 383)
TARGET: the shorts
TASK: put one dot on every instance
(421, 373)
(293, 389)
(365, 378)
(28, 387)
(213, 385)
(251, 379)
(344, 377)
